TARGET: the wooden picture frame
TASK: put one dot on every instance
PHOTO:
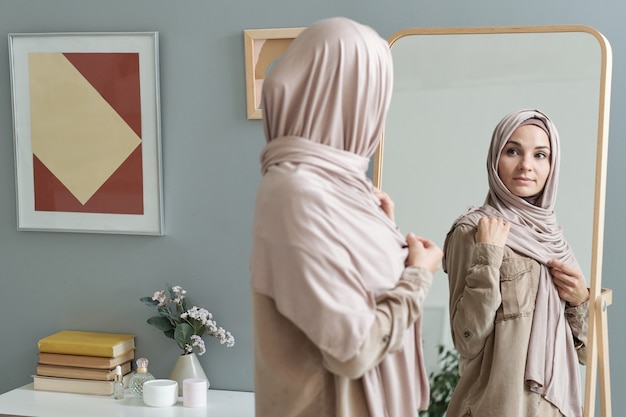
(86, 118)
(262, 47)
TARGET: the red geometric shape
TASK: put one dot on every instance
(122, 193)
(50, 193)
(116, 77)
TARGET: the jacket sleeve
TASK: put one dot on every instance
(474, 279)
(396, 311)
(578, 318)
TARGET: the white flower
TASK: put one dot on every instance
(199, 343)
(228, 339)
(160, 297)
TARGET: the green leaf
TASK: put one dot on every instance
(160, 323)
(183, 334)
(149, 301)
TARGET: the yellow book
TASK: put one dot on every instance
(72, 342)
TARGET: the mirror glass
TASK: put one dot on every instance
(451, 88)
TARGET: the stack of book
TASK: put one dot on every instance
(83, 362)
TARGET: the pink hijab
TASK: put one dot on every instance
(552, 364)
(322, 247)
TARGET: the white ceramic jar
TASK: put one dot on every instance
(160, 392)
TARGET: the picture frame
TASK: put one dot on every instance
(87, 132)
(262, 47)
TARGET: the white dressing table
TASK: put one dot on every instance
(25, 401)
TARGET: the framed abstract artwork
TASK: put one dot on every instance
(86, 118)
(262, 48)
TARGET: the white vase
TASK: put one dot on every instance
(187, 366)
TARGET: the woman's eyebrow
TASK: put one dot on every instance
(513, 142)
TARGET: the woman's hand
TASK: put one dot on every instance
(492, 231)
(386, 203)
(424, 253)
(569, 282)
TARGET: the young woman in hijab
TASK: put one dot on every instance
(518, 300)
(337, 290)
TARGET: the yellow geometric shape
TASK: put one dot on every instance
(75, 133)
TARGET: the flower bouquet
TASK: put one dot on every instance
(187, 326)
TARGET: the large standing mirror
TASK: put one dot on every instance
(451, 87)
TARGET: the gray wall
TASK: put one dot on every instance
(54, 281)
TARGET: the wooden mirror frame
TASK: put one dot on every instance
(597, 349)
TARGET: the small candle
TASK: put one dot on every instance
(194, 392)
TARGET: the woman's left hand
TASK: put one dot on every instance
(386, 203)
(569, 282)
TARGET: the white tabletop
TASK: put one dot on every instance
(25, 401)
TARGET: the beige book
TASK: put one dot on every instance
(80, 373)
(75, 386)
(81, 361)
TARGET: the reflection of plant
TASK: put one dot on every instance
(185, 325)
(443, 382)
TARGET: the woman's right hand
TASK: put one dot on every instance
(424, 253)
(492, 231)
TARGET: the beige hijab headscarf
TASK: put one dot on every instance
(322, 247)
(552, 364)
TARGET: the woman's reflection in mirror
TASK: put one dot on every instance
(518, 298)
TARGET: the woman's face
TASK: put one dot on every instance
(524, 163)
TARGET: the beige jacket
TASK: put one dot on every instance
(294, 378)
(492, 299)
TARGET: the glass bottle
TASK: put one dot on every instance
(141, 375)
(118, 384)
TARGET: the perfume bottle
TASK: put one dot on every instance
(141, 375)
(118, 384)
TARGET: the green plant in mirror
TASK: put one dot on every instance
(443, 382)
